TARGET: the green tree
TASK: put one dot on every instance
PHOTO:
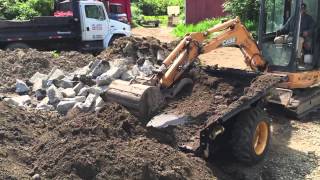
(247, 10)
(25, 9)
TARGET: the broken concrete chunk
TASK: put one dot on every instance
(97, 90)
(129, 49)
(99, 102)
(44, 105)
(38, 77)
(40, 94)
(63, 83)
(19, 101)
(147, 68)
(160, 55)
(55, 74)
(68, 93)
(115, 72)
(76, 99)
(64, 106)
(135, 70)
(127, 76)
(99, 68)
(78, 87)
(82, 71)
(54, 94)
(21, 87)
(87, 105)
(104, 79)
(84, 91)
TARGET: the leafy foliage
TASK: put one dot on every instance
(245, 9)
(157, 7)
(25, 9)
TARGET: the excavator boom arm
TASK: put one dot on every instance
(232, 33)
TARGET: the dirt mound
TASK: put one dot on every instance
(139, 49)
(108, 145)
(22, 64)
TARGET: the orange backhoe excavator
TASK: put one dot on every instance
(299, 93)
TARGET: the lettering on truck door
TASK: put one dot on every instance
(94, 26)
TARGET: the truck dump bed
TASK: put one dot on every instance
(39, 28)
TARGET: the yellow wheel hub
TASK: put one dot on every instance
(261, 138)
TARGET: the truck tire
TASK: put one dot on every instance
(114, 37)
(17, 46)
(250, 136)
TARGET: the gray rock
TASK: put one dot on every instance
(84, 91)
(44, 105)
(40, 94)
(76, 99)
(115, 72)
(147, 68)
(127, 76)
(104, 79)
(54, 94)
(20, 101)
(64, 106)
(83, 71)
(97, 90)
(99, 102)
(99, 68)
(38, 77)
(56, 74)
(21, 87)
(36, 177)
(68, 93)
(160, 55)
(78, 87)
(38, 85)
(120, 63)
(129, 49)
(63, 83)
(135, 70)
(87, 105)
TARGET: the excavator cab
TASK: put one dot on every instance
(281, 38)
(292, 52)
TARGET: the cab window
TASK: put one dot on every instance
(95, 12)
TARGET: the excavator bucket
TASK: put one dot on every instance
(141, 100)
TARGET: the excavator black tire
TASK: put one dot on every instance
(250, 136)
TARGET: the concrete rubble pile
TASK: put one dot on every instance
(63, 91)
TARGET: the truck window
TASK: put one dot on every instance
(116, 8)
(95, 12)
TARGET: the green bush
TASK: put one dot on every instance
(19, 9)
(247, 10)
(157, 7)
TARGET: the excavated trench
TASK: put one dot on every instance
(111, 144)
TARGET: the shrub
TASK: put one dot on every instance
(247, 10)
(157, 7)
(18, 9)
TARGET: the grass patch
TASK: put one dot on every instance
(182, 29)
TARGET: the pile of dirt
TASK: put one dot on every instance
(22, 64)
(108, 145)
(139, 49)
(215, 93)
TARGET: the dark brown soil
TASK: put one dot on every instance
(108, 145)
(22, 64)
